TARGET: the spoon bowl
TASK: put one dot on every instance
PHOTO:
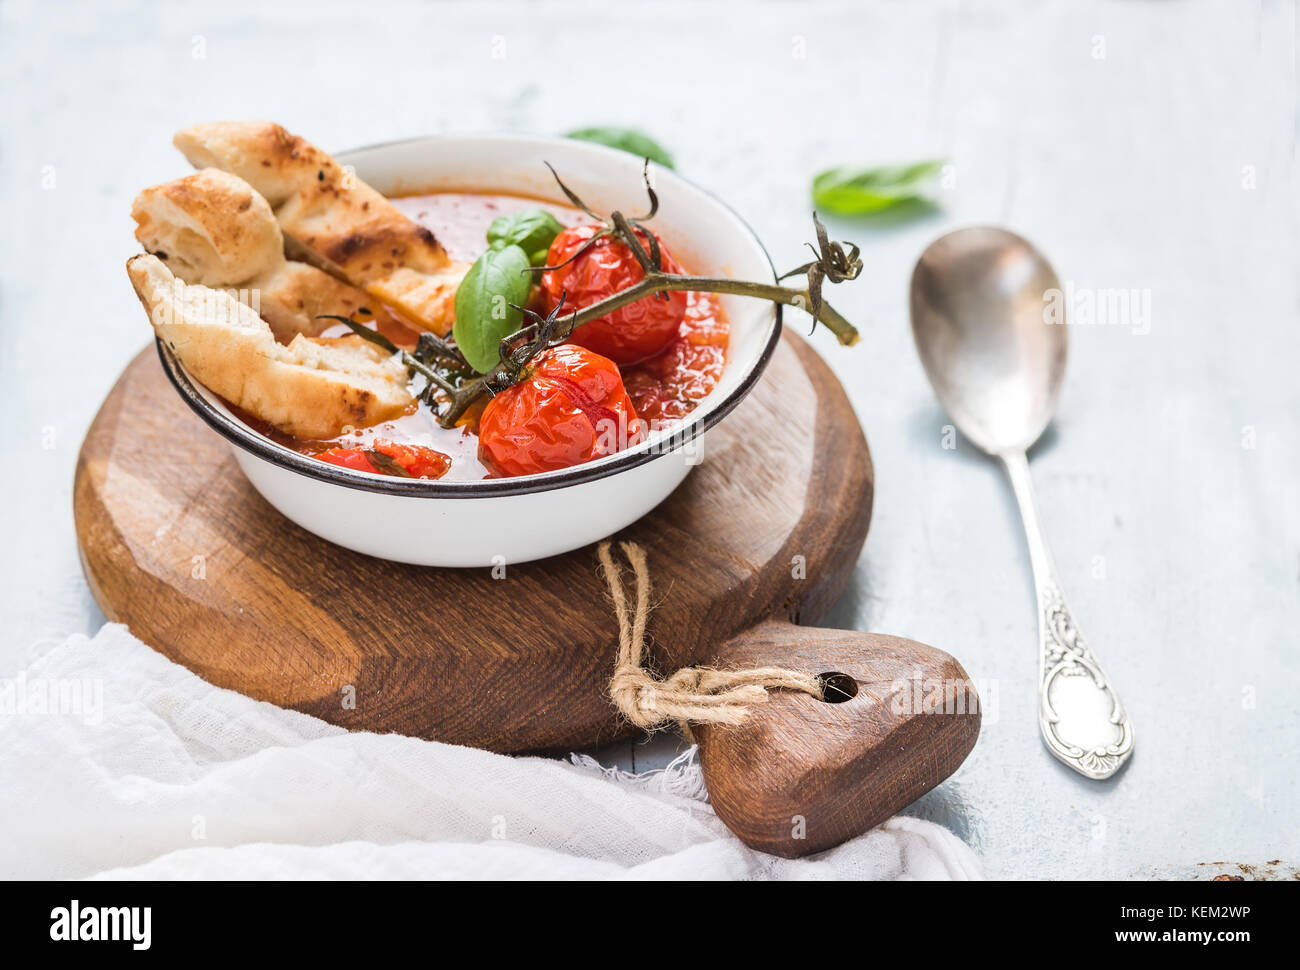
(978, 300)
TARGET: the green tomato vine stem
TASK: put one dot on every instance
(506, 373)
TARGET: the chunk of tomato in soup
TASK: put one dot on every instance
(668, 387)
(416, 461)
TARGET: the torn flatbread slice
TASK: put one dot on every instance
(314, 388)
(321, 206)
(214, 228)
(210, 227)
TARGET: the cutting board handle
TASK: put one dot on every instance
(800, 775)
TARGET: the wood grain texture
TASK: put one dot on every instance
(801, 775)
(177, 545)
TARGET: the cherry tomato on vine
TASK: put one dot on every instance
(631, 333)
(389, 458)
(571, 407)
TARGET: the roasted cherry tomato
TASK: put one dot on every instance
(571, 407)
(635, 332)
(389, 458)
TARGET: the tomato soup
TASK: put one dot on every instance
(663, 389)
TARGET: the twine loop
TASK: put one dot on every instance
(703, 695)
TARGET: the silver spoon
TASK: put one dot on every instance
(978, 298)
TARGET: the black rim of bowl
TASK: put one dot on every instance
(242, 436)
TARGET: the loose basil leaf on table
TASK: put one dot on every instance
(863, 191)
(627, 139)
(532, 230)
(484, 316)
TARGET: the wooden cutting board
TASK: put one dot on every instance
(760, 538)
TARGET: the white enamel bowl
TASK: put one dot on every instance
(513, 520)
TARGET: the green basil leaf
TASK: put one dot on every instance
(626, 139)
(484, 316)
(532, 230)
(863, 191)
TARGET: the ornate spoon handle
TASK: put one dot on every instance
(1084, 724)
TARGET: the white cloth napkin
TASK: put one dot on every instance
(118, 763)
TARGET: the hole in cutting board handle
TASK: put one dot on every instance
(837, 687)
